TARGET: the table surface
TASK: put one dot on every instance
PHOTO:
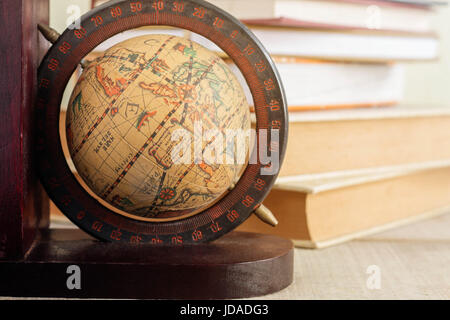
(410, 262)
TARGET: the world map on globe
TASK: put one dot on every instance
(123, 114)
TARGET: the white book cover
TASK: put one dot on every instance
(355, 14)
(335, 45)
(314, 85)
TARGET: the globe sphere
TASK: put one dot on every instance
(147, 127)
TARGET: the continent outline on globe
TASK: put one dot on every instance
(193, 91)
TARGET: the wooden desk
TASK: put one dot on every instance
(414, 263)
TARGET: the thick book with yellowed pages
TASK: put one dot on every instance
(352, 140)
(321, 213)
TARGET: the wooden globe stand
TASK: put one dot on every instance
(38, 262)
(238, 265)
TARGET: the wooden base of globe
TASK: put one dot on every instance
(239, 265)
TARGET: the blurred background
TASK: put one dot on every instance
(428, 84)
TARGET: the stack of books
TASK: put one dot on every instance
(355, 172)
(339, 54)
(357, 160)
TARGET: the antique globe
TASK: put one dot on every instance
(147, 124)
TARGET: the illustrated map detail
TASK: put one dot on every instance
(123, 114)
